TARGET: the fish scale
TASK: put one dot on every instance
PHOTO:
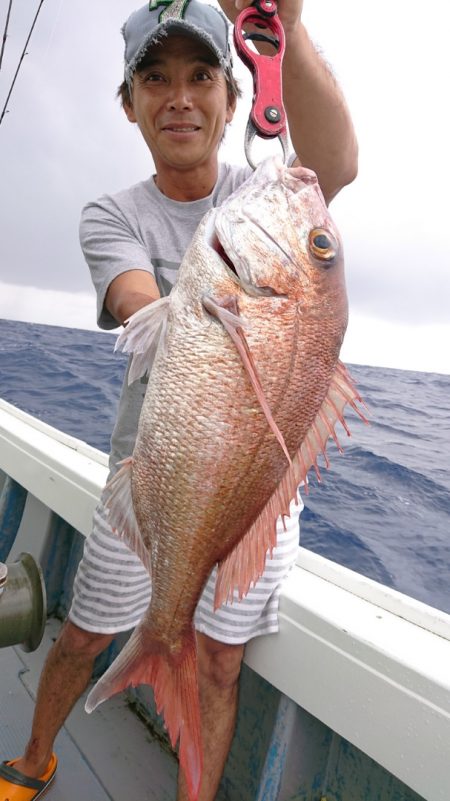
(245, 391)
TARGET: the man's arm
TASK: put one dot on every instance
(320, 125)
(129, 292)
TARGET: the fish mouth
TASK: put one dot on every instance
(220, 250)
(250, 289)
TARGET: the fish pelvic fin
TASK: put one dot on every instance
(121, 517)
(245, 564)
(174, 679)
(227, 312)
(144, 332)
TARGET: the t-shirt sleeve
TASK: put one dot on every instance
(111, 244)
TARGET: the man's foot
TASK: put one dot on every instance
(15, 786)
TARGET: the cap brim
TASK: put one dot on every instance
(182, 27)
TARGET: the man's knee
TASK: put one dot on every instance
(74, 640)
(218, 662)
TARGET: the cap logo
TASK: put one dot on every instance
(174, 8)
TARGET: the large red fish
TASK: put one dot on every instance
(245, 390)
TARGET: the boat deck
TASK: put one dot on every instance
(105, 756)
(350, 700)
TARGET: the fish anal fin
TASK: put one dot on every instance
(121, 517)
(245, 564)
(175, 685)
(144, 332)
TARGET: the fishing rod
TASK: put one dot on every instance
(24, 53)
(5, 33)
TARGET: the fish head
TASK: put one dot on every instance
(276, 235)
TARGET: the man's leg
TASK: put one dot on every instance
(219, 668)
(64, 678)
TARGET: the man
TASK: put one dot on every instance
(180, 91)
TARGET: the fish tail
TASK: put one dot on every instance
(175, 686)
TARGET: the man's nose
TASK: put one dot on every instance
(180, 95)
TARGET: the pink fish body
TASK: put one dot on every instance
(246, 387)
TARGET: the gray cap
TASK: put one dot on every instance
(189, 17)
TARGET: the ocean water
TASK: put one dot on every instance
(383, 507)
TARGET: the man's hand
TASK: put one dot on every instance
(319, 121)
(289, 11)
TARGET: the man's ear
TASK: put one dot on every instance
(129, 111)
(231, 108)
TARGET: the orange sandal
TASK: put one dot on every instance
(15, 786)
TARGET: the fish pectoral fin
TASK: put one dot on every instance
(227, 312)
(144, 332)
(144, 660)
(342, 391)
(245, 564)
(121, 517)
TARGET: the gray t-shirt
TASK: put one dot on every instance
(142, 229)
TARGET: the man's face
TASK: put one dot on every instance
(180, 103)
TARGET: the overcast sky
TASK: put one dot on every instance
(65, 140)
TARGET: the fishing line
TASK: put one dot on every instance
(5, 33)
(52, 32)
(23, 54)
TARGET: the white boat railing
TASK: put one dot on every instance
(371, 663)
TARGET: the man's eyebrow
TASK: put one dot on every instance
(154, 61)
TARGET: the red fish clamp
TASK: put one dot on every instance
(267, 118)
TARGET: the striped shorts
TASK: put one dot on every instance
(112, 588)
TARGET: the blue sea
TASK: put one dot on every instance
(383, 507)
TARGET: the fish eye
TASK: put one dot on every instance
(322, 244)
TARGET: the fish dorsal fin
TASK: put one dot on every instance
(121, 517)
(342, 391)
(245, 564)
(145, 330)
(226, 311)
